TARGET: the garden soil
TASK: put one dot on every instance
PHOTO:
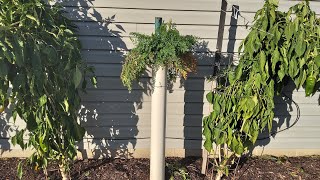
(265, 167)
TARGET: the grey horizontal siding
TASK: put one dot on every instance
(187, 108)
(141, 15)
(117, 119)
(253, 5)
(203, 5)
(117, 57)
(114, 83)
(179, 108)
(114, 70)
(124, 43)
(194, 96)
(116, 29)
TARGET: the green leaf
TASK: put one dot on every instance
(270, 89)
(33, 18)
(296, 25)
(302, 78)
(284, 53)
(77, 77)
(301, 62)
(231, 77)
(264, 26)
(275, 59)
(254, 131)
(18, 48)
(43, 100)
(239, 149)
(14, 115)
(281, 73)
(216, 107)
(43, 146)
(19, 138)
(208, 145)
(94, 81)
(289, 31)
(66, 105)
(274, 2)
(255, 99)
(300, 44)
(213, 115)
(31, 123)
(258, 80)
(14, 140)
(238, 72)
(262, 61)
(84, 84)
(45, 162)
(292, 68)
(209, 97)
(48, 121)
(80, 131)
(3, 69)
(317, 60)
(19, 170)
(276, 33)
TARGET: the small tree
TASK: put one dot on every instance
(40, 61)
(279, 48)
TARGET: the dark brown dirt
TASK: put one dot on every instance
(265, 167)
(269, 167)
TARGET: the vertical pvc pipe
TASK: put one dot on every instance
(158, 121)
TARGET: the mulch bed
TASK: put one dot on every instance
(265, 167)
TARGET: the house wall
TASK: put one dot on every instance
(118, 122)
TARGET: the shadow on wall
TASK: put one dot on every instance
(8, 128)
(282, 119)
(108, 113)
(4, 128)
(196, 88)
(209, 65)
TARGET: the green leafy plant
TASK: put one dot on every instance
(176, 170)
(164, 48)
(281, 47)
(40, 74)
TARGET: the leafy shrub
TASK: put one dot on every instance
(40, 62)
(164, 48)
(279, 48)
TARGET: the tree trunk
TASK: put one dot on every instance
(219, 175)
(65, 175)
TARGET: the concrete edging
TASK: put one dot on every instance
(145, 153)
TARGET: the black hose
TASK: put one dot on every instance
(295, 122)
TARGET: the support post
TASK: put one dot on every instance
(158, 120)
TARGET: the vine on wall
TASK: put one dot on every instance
(281, 47)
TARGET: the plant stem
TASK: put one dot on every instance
(64, 174)
(218, 175)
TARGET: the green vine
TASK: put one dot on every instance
(281, 47)
(164, 48)
(40, 73)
